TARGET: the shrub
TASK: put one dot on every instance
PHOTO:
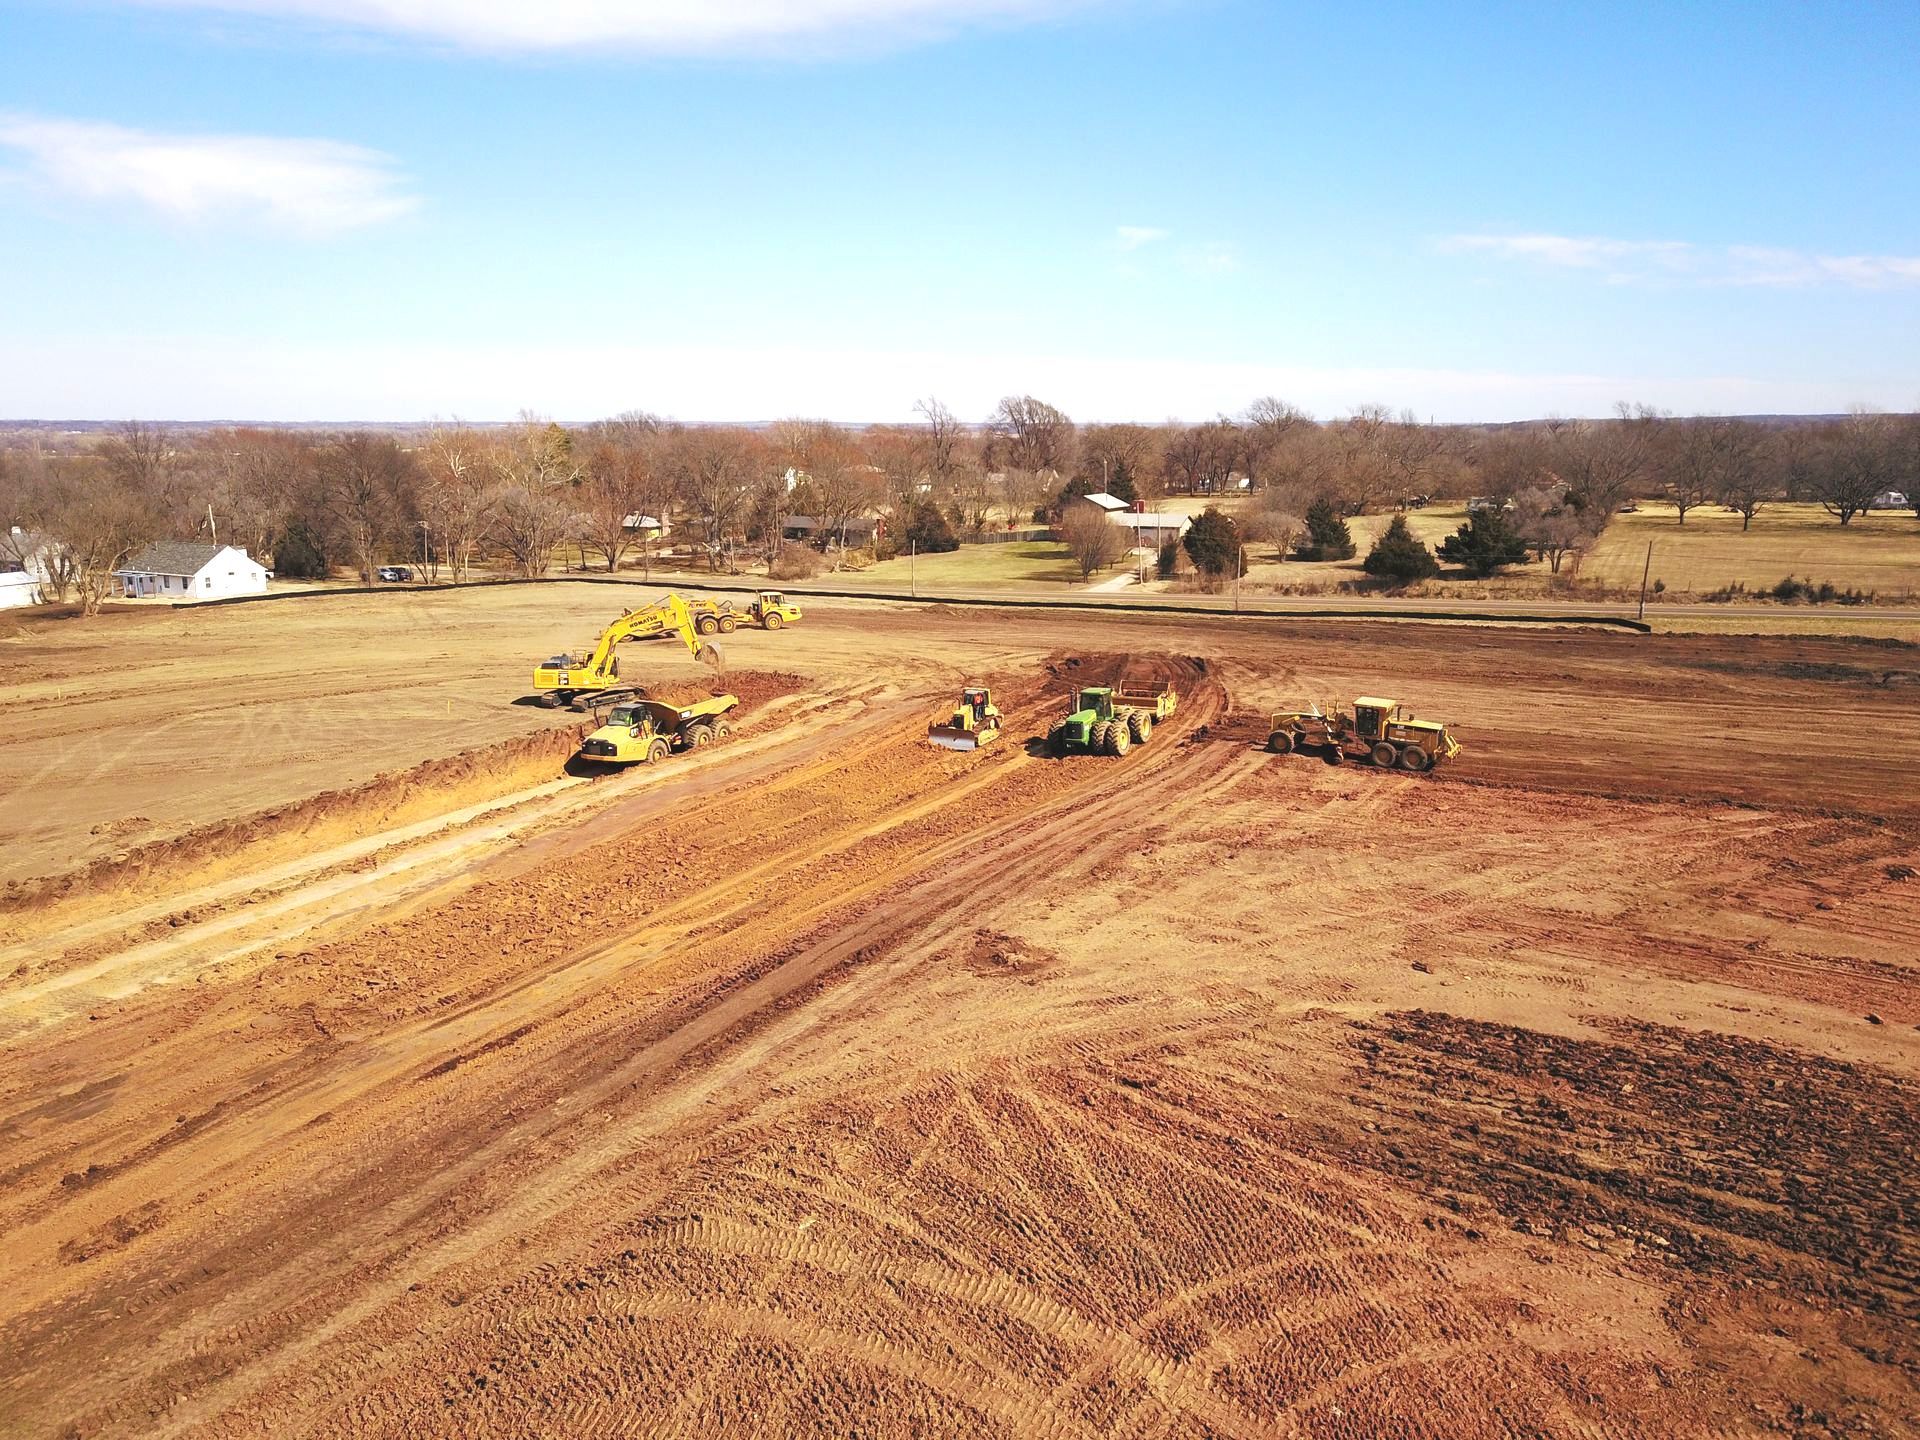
(795, 562)
(299, 555)
(1168, 561)
(929, 531)
(1397, 556)
(1485, 544)
(1327, 535)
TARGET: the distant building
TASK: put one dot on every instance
(1109, 504)
(18, 588)
(190, 570)
(645, 527)
(858, 530)
(1150, 532)
(1888, 500)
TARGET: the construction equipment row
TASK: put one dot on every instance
(583, 681)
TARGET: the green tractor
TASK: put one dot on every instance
(1105, 721)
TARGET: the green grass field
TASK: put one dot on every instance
(1014, 564)
(1879, 552)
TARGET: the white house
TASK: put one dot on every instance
(18, 588)
(191, 570)
(1150, 532)
(1889, 500)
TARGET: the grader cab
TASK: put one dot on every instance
(1383, 731)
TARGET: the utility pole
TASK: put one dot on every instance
(423, 549)
(910, 588)
(1646, 571)
(213, 525)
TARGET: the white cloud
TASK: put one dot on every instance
(314, 186)
(207, 378)
(1678, 261)
(1216, 257)
(1132, 237)
(650, 26)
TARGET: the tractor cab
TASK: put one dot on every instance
(1095, 702)
(1370, 716)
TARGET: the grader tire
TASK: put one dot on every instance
(1384, 755)
(1280, 742)
(1335, 755)
(1415, 759)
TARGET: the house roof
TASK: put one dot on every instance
(1106, 501)
(1153, 522)
(174, 557)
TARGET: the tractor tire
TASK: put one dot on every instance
(658, 751)
(1057, 738)
(707, 624)
(728, 624)
(1415, 759)
(1140, 727)
(774, 622)
(698, 737)
(1280, 742)
(1384, 755)
(1097, 737)
(1118, 739)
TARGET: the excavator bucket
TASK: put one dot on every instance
(712, 656)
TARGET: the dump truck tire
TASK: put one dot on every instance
(774, 622)
(727, 624)
(658, 751)
(722, 730)
(1280, 742)
(699, 736)
(1118, 742)
(706, 624)
(1415, 759)
(1384, 755)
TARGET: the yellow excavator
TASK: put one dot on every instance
(582, 681)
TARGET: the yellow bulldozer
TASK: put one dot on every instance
(584, 680)
(975, 722)
(1383, 731)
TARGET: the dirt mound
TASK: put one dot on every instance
(331, 817)
(1183, 672)
(991, 954)
(753, 687)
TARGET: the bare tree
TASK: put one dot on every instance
(1200, 459)
(459, 494)
(945, 438)
(1746, 479)
(716, 471)
(1603, 462)
(1268, 423)
(1093, 540)
(1689, 463)
(619, 481)
(1032, 435)
(529, 524)
(1552, 527)
(367, 483)
(1135, 451)
(1858, 464)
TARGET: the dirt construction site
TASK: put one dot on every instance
(367, 1067)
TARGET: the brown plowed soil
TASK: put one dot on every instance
(830, 1083)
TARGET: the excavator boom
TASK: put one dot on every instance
(563, 678)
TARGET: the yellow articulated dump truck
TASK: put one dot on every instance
(644, 732)
(769, 610)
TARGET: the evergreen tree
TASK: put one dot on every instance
(1327, 536)
(928, 530)
(1396, 555)
(1485, 544)
(1213, 543)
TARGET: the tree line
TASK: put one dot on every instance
(455, 496)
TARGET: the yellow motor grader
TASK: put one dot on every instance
(1383, 731)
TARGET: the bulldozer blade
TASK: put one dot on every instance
(949, 738)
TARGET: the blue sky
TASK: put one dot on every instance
(388, 209)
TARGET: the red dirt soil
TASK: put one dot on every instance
(838, 1084)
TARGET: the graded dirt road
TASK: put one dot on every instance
(827, 1083)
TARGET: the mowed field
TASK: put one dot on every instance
(825, 1083)
(1878, 552)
